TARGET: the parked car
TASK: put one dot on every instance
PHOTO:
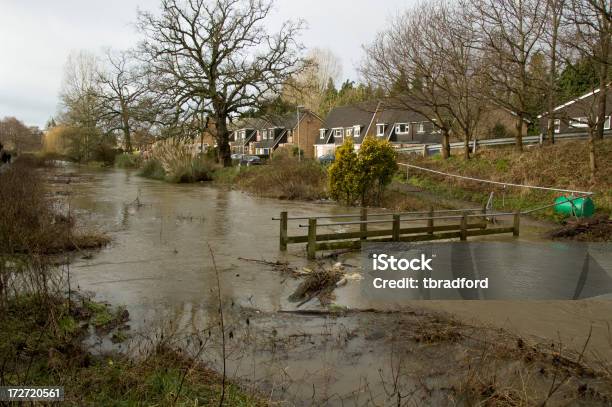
(249, 160)
(327, 159)
(236, 156)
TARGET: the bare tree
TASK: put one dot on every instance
(591, 36)
(554, 12)
(309, 87)
(81, 101)
(124, 89)
(511, 34)
(216, 58)
(428, 62)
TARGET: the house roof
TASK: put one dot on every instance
(351, 115)
(578, 99)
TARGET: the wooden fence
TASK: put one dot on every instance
(472, 222)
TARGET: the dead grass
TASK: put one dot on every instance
(563, 165)
(285, 178)
(28, 222)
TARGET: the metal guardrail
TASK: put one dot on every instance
(427, 148)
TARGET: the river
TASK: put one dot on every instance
(159, 265)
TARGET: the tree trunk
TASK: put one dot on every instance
(445, 144)
(224, 152)
(592, 157)
(125, 119)
(466, 147)
(601, 102)
(519, 133)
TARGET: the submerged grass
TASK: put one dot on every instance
(40, 345)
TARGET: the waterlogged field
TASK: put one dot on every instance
(359, 350)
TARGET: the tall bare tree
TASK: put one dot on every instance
(124, 89)
(309, 87)
(81, 101)
(216, 58)
(428, 62)
(591, 36)
(511, 34)
(554, 13)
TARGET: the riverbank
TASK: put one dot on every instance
(52, 333)
(563, 165)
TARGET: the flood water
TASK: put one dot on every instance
(159, 265)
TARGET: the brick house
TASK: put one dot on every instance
(262, 136)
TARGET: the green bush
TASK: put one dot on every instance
(364, 175)
(153, 169)
(198, 169)
(126, 160)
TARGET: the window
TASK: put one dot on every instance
(243, 134)
(557, 125)
(380, 129)
(356, 131)
(607, 123)
(337, 132)
(401, 128)
(348, 132)
(322, 133)
(421, 127)
(271, 134)
(578, 122)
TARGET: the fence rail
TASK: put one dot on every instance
(347, 240)
(430, 148)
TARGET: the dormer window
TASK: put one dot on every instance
(401, 128)
(322, 133)
(607, 123)
(356, 131)
(348, 132)
(380, 129)
(271, 134)
(421, 127)
(557, 125)
(337, 132)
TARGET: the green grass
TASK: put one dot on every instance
(127, 160)
(40, 345)
(563, 165)
(153, 169)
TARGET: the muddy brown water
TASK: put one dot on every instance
(159, 266)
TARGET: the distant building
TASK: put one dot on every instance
(578, 115)
(262, 136)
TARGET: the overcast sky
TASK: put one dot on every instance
(36, 36)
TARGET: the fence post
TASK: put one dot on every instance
(312, 238)
(517, 223)
(396, 228)
(283, 231)
(463, 232)
(363, 228)
(484, 215)
(424, 150)
(430, 221)
(474, 146)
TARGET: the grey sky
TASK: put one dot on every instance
(36, 36)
